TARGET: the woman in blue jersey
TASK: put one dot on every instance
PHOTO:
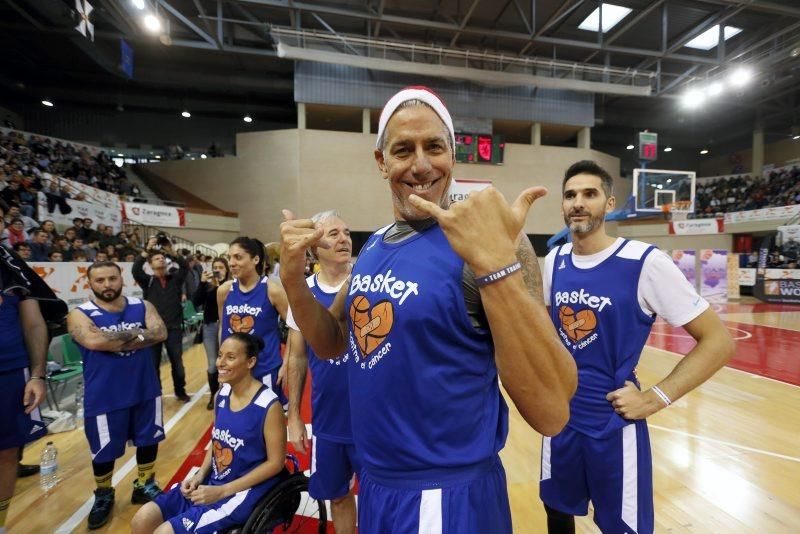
(248, 450)
(250, 304)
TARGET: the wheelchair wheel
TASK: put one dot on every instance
(288, 508)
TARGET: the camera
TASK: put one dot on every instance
(162, 240)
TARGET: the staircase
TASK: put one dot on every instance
(147, 195)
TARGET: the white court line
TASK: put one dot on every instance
(727, 443)
(747, 335)
(80, 514)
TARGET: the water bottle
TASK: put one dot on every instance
(79, 404)
(48, 467)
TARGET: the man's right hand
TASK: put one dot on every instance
(151, 243)
(296, 236)
(297, 434)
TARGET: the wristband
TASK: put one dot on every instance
(661, 395)
(37, 378)
(508, 270)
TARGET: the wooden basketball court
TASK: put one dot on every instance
(726, 457)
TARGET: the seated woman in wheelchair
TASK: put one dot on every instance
(248, 451)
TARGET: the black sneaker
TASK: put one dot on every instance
(143, 494)
(182, 396)
(102, 507)
(26, 470)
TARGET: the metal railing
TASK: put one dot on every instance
(146, 232)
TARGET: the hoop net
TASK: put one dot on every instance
(677, 211)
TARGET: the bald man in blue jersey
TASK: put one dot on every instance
(440, 304)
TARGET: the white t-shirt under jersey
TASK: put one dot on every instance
(663, 289)
(313, 279)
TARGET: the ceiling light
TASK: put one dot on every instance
(693, 98)
(185, 114)
(715, 89)
(668, 149)
(152, 23)
(248, 118)
(611, 16)
(704, 151)
(796, 137)
(629, 147)
(47, 103)
(120, 155)
(740, 76)
(138, 4)
(203, 156)
(710, 38)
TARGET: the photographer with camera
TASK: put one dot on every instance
(206, 296)
(163, 289)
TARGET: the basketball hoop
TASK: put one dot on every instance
(677, 211)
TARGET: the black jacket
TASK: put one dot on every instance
(165, 298)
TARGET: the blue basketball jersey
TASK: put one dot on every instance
(252, 312)
(598, 318)
(237, 439)
(115, 380)
(424, 396)
(13, 353)
(330, 400)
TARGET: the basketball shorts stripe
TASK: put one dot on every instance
(333, 468)
(614, 472)
(269, 380)
(109, 433)
(18, 428)
(474, 506)
(217, 517)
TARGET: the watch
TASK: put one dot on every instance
(140, 336)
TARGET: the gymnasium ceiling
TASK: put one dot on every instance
(220, 56)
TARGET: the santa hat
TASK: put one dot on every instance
(416, 92)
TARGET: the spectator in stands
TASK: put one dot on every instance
(40, 247)
(50, 228)
(55, 255)
(164, 290)
(92, 248)
(100, 256)
(195, 272)
(70, 234)
(15, 233)
(129, 256)
(87, 232)
(77, 224)
(11, 195)
(23, 250)
(79, 255)
(15, 213)
(57, 197)
(108, 239)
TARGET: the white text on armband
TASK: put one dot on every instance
(582, 297)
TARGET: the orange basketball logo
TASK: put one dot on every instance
(577, 325)
(371, 325)
(223, 457)
(242, 324)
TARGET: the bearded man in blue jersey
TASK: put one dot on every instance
(604, 294)
(440, 304)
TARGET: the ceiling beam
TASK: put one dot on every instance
(464, 21)
(191, 25)
(630, 24)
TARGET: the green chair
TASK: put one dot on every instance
(191, 317)
(72, 367)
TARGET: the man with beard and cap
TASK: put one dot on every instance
(604, 295)
(122, 399)
(440, 305)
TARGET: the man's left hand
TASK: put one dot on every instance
(630, 403)
(207, 494)
(35, 393)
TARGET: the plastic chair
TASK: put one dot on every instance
(72, 367)
(191, 317)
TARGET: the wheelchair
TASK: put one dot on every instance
(287, 507)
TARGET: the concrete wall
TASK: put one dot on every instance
(312, 170)
(658, 234)
(202, 228)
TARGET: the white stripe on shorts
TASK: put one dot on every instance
(214, 515)
(430, 511)
(630, 478)
(545, 458)
(102, 433)
(313, 454)
(159, 415)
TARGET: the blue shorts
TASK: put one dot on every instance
(18, 428)
(269, 380)
(615, 473)
(333, 468)
(473, 506)
(184, 516)
(108, 433)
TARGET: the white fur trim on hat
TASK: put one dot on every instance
(417, 92)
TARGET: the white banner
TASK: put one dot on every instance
(747, 277)
(86, 193)
(764, 214)
(790, 233)
(696, 226)
(153, 215)
(97, 212)
(782, 274)
(68, 280)
(460, 189)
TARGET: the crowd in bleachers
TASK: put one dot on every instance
(744, 193)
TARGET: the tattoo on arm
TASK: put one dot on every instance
(530, 269)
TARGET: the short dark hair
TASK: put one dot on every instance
(252, 344)
(99, 265)
(20, 245)
(153, 253)
(590, 167)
